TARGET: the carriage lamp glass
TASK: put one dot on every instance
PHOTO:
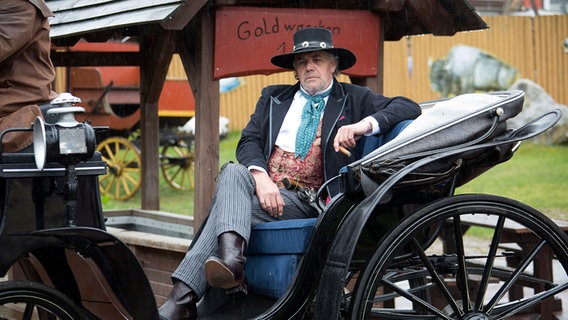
(67, 142)
(72, 141)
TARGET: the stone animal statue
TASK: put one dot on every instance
(468, 69)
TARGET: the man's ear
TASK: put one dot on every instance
(335, 63)
(334, 70)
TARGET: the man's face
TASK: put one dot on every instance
(315, 70)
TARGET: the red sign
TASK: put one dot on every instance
(247, 38)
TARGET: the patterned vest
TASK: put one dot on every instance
(308, 172)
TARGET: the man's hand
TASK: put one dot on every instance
(348, 135)
(268, 193)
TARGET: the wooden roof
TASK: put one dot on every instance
(74, 17)
(97, 19)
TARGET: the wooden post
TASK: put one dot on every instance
(197, 53)
(156, 49)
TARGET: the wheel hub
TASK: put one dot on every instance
(116, 170)
(476, 316)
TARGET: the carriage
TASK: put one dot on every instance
(394, 244)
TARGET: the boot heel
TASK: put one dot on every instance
(181, 303)
(239, 291)
(228, 271)
(219, 275)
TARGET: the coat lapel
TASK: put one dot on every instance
(333, 110)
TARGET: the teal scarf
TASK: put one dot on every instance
(311, 115)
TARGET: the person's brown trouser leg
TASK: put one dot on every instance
(21, 118)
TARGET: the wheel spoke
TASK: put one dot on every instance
(176, 172)
(108, 154)
(117, 188)
(404, 293)
(505, 311)
(462, 269)
(179, 152)
(28, 311)
(110, 183)
(489, 263)
(514, 276)
(123, 160)
(177, 166)
(125, 185)
(435, 276)
(129, 179)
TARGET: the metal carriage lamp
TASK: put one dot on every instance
(67, 141)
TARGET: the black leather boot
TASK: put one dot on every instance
(181, 303)
(228, 272)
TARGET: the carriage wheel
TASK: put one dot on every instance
(463, 279)
(31, 300)
(177, 164)
(123, 178)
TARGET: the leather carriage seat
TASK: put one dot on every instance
(275, 248)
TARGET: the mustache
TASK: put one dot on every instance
(309, 75)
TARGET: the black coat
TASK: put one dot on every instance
(346, 104)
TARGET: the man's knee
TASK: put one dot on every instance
(235, 171)
(231, 168)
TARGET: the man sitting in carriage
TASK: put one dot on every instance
(295, 133)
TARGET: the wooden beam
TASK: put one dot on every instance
(386, 5)
(81, 59)
(219, 3)
(376, 83)
(183, 15)
(197, 56)
(433, 17)
(156, 49)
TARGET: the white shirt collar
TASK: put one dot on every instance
(324, 90)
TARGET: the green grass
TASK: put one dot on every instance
(537, 175)
(227, 147)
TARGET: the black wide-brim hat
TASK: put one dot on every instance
(314, 39)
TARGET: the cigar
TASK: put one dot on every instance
(345, 151)
(290, 184)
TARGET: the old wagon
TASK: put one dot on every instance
(111, 97)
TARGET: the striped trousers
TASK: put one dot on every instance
(236, 208)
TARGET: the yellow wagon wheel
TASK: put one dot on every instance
(123, 178)
(177, 164)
